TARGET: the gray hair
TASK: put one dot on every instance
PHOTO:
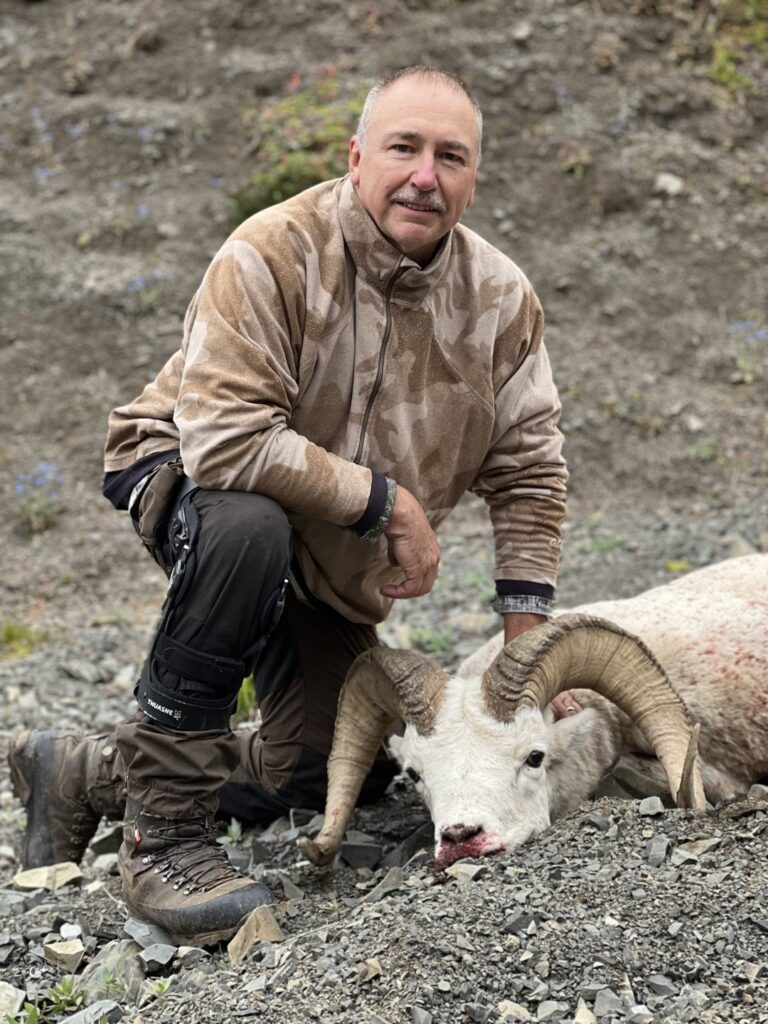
(417, 71)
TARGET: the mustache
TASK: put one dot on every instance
(430, 200)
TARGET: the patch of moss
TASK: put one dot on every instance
(302, 140)
(18, 640)
(740, 46)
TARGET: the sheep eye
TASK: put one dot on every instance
(412, 775)
(535, 758)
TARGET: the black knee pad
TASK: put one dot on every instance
(181, 687)
(206, 696)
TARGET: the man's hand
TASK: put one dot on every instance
(565, 704)
(412, 547)
(515, 623)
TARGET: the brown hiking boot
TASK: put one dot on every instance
(66, 782)
(176, 875)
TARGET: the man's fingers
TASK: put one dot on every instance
(565, 705)
(408, 588)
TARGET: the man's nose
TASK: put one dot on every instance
(424, 177)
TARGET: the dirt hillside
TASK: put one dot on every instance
(630, 185)
(625, 168)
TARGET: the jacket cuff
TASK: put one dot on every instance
(118, 485)
(522, 596)
(378, 511)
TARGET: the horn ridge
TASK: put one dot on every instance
(593, 653)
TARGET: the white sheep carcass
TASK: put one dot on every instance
(681, 664)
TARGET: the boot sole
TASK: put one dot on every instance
(213, 938)
(31, 761)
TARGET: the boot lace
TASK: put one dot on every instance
(194, 861)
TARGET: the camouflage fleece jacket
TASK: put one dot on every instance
(315, 356)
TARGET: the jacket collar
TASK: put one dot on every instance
(376, 259)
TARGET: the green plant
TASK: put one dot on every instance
(38, 494)
(677, 565)
(475, 579)
(739, 46)
(234, 834)
(303, 140)
(246, 701)
(112, 985)
(600, 545)
(161, 986)
(575, 157)
(65, 997)
(724, 70)
(431, 641)
(18, 640)
(703, 451)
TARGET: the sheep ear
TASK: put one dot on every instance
(570, 735)
(394, 744)
(586, 651)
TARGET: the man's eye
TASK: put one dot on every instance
(535, 758)
(401, 147)
(453, 158)
(412, 775)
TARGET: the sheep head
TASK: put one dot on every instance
(491, 785)
(488, 755)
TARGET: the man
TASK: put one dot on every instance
(352, 363)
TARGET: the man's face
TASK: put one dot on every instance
(417, 169)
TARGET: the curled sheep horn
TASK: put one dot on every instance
(382, 686)
(592, 653)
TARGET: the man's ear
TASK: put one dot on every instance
(472, 193)
(354, 161)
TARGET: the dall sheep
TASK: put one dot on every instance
(681, 664)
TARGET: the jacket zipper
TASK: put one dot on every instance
(380, 369)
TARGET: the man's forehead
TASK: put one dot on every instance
(409, 101)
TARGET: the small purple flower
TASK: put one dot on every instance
(136, 283)
(111, 118)
(74, 131)
(144, 134)
(42, 174)
(216, 182)
(46, 136)
(143, 210)
(116, 185)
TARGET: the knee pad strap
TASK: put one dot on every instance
(184, 714)
(216, 679)
(218, 673)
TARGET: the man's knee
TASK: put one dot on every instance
(241, 529)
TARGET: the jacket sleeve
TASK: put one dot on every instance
(240, 383)
(523, 477)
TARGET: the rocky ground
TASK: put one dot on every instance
(625, 168)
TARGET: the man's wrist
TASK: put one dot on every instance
(523, 604)
(376, 530)
(523, 597)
